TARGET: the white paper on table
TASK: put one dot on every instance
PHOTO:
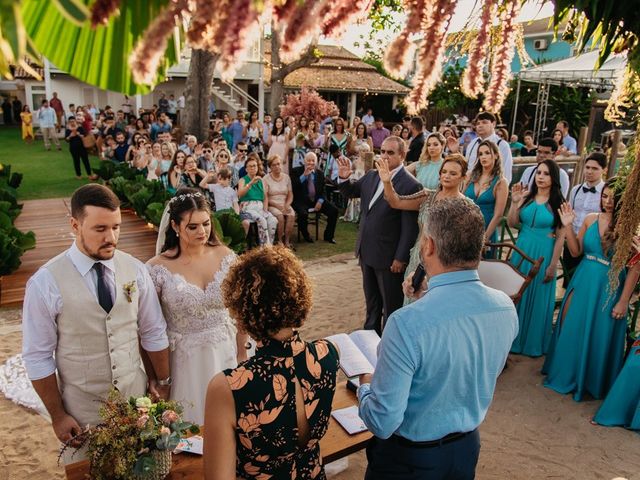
(349, 419)
(191, 445)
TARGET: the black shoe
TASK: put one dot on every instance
(333, 240)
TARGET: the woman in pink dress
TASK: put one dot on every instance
(278, 143)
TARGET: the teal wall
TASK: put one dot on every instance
(557, 50)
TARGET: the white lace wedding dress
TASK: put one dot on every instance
(202, 335)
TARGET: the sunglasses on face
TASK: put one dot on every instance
(207, 150)
(242, 151)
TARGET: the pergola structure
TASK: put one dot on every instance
(578, 71)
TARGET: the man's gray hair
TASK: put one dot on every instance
(401, 146)
(456, 226)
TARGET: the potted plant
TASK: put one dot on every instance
(135, 438)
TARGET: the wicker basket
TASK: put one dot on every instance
(163, 466)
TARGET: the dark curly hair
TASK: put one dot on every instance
(181, 206)
(267, 290)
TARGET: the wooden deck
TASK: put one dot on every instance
(49, 220)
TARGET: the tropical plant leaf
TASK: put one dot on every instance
(73, 10)
(96, 56)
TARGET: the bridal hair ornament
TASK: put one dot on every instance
(184, 196)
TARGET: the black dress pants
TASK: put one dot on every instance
(77, 155)
(328, 209)
(382, 293)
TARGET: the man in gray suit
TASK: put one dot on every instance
(385, 235)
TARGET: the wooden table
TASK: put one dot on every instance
(336, 443)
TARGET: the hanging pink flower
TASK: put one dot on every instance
(208, 24)
(283, 9)
(397, 58)
(431, 54)
(146, 56)
(472, 82)
(102, 10)
(303, 26)
(501, 62)
(240, 32)
(343, 14)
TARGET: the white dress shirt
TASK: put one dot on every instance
(529, 176)
(503, 147)
(43, 303)
(584, 203)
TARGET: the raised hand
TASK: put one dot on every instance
(344, 168)
(452, 144)
(383, 170)
(567, 215)
(518, 193)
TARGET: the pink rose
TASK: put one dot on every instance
(142, 421)
(169, 417)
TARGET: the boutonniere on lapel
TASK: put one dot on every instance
(129, 289)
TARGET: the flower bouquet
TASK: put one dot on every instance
(135, 438)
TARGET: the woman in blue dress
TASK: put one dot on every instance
(588, 342)
(427, 168)
(621, 407)
(488, 188)
(536, 214)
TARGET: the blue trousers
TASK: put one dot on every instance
(388, 460)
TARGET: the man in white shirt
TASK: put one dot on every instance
(485, 125)
(567, 140)
(547, 148)
(585, 199)
(85, 314)
(47, 121)
(368, 119)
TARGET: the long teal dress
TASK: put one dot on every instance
(487, 203)
(587, 348)
(621, 407)
(428, 174)
(535, 309)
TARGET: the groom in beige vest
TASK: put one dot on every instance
(91, 319)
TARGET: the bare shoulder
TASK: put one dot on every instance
(590, 219)
(220, 251)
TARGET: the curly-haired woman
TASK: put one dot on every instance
(265, 418)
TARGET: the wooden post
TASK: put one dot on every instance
(613, 153)
(582, 139)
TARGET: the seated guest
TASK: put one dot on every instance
(192, 175)
(189, 146)
(240, 158)
(547, 149)
(121, 149)
(438, 359)
(265, 418)
(587, 347)
(253, 205)
(279, 192)
(222, 160)
(205, 160)
(219, 184)
(308, 195)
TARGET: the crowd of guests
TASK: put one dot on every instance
(449, 185)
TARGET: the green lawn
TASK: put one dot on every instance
(51, 175)
(46, 174)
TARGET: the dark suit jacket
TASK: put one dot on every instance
(300, 189)
(415, 149)
(385, 233)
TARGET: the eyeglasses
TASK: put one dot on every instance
(242, 151)
(207, 150)
(387, 152)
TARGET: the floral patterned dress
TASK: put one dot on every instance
(264, 392)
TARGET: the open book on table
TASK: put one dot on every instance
(358, 351)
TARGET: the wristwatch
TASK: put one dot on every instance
(165, 382)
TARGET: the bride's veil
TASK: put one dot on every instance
(162, 229)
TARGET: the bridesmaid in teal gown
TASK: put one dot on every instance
(621, 407)
(588, 342)
(536, 213)
(427, 168)
(488, 188)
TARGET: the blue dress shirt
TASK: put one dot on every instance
(439, 359)
(570, 143)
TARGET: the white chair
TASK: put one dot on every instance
(502, 275)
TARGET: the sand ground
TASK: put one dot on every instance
(530, 432)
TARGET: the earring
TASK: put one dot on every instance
(177, 234)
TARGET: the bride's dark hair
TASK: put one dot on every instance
(185, 202)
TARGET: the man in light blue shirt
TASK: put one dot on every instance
(567, 140)
(47, 122)
(439, 358)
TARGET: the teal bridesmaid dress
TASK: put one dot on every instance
(587, 348)
(487, 203)
(535, 309)
(621, 407)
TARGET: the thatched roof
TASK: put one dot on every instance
(337, 70)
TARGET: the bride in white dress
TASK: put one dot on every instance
(187, 274)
